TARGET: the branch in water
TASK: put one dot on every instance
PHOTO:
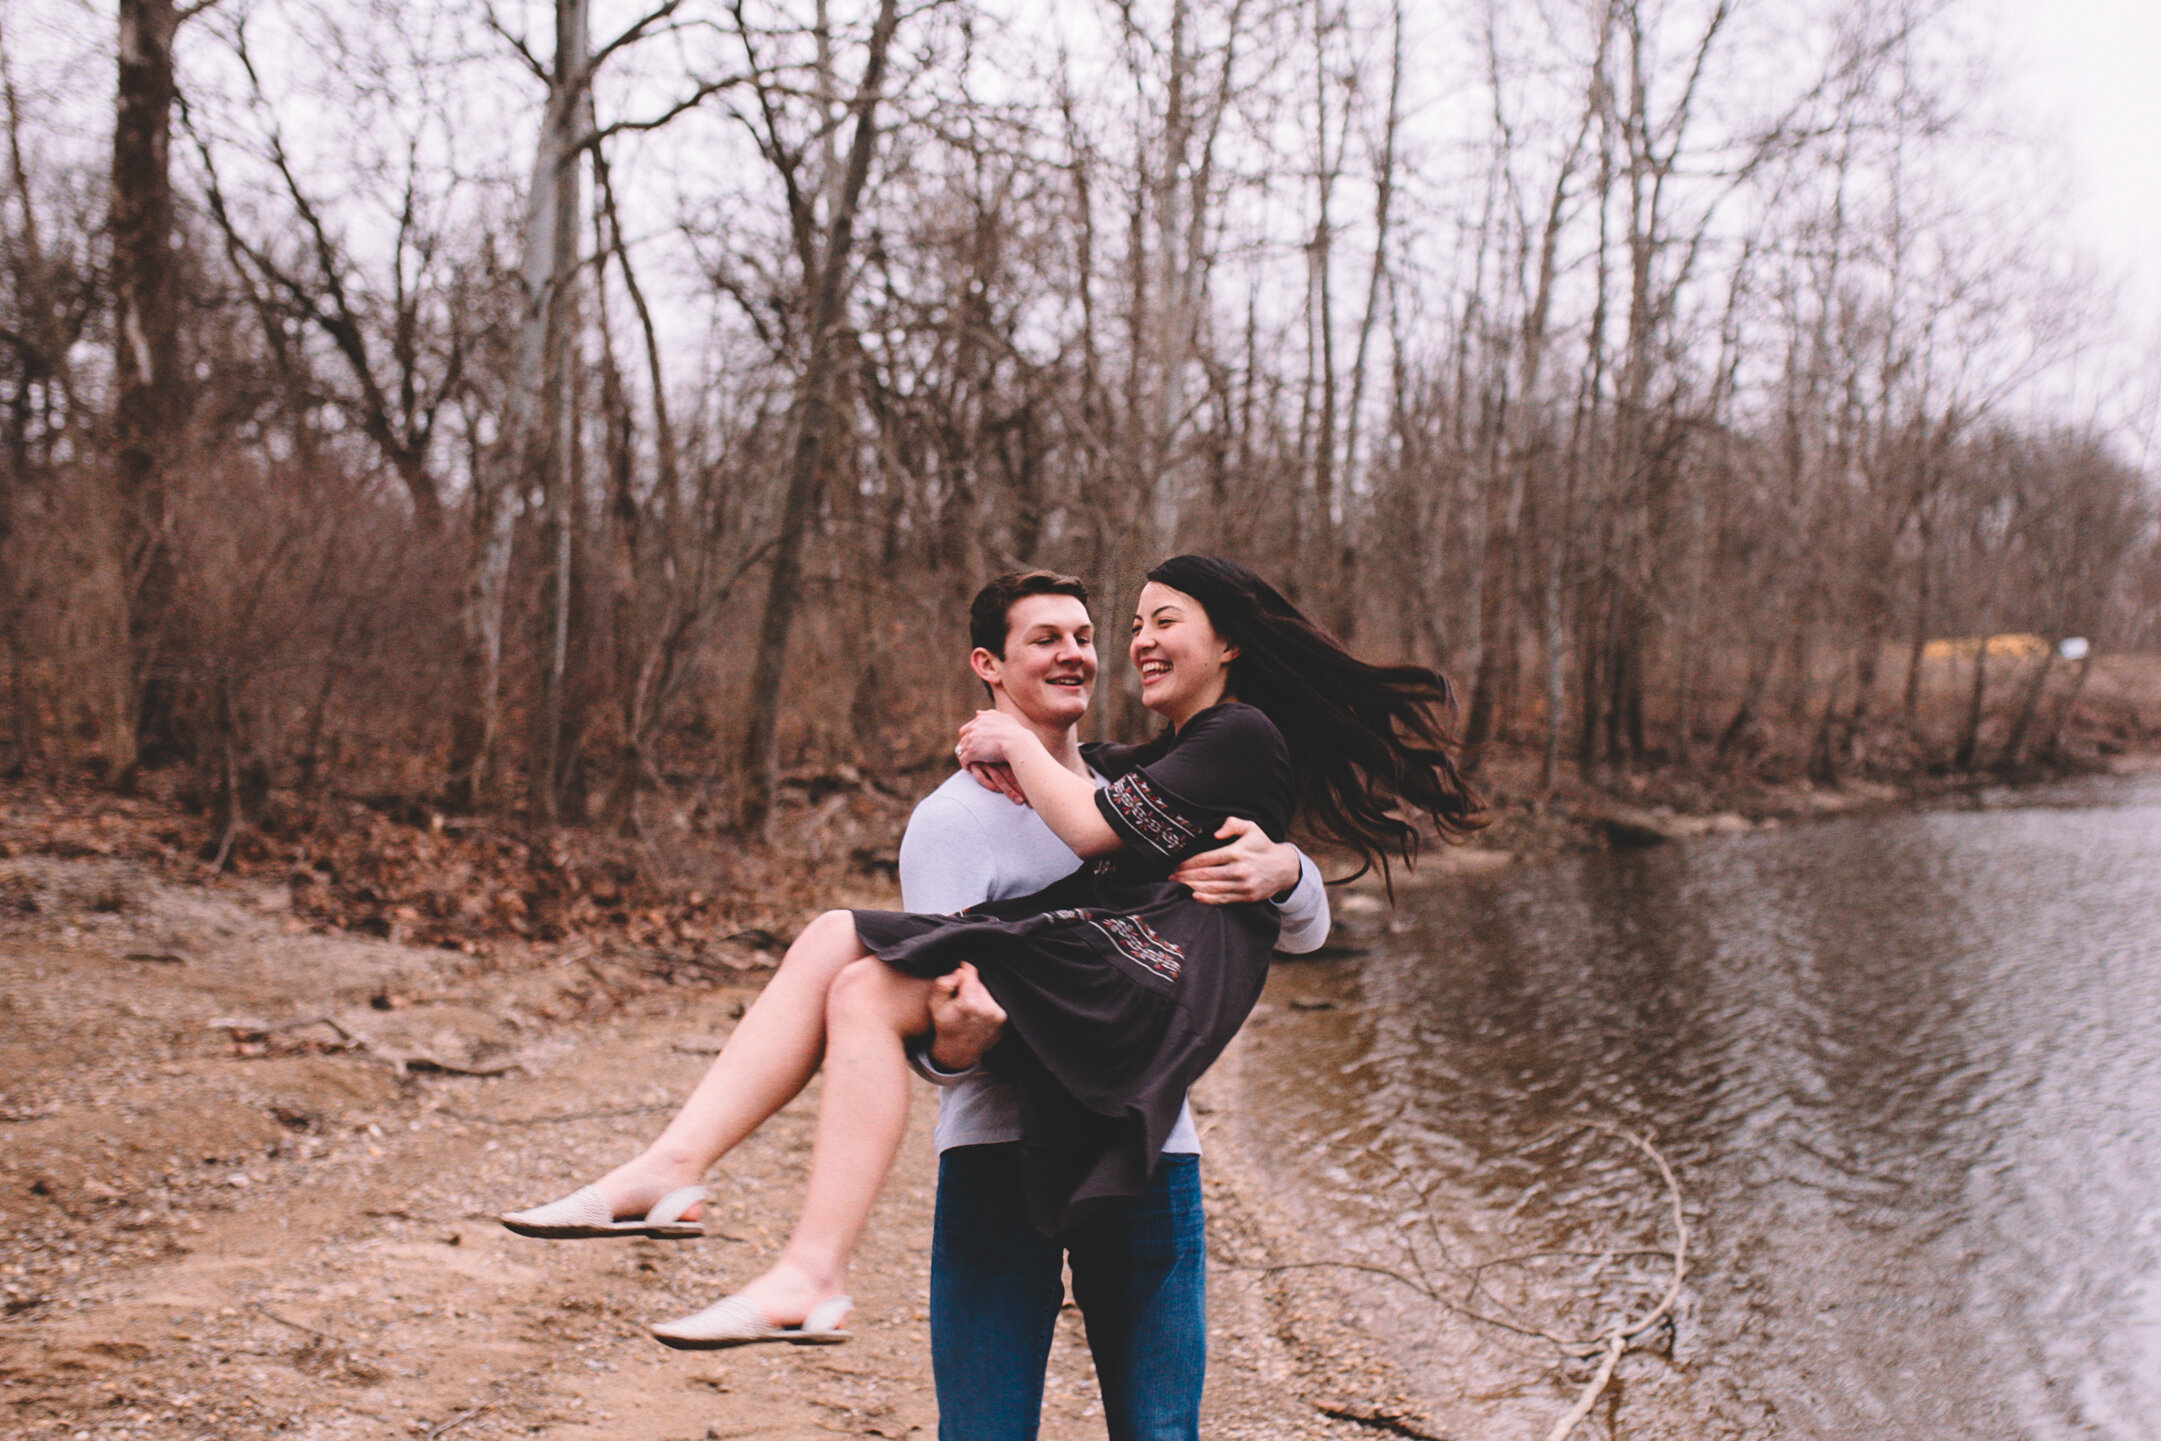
(1616, 1341)
(1588, 1398)
(1608, 1346)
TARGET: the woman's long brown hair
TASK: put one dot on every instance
(1364, 739)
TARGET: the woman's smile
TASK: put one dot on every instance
(1184, 665)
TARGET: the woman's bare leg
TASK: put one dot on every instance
(768, 1058)
(862, 1116)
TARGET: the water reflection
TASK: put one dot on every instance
(1909, 1068)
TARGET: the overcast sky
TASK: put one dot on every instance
(2086, 71)
(2090, 72)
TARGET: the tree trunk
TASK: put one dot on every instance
(551, 444)
(1554, 639)
(476, 721)
(1760, 664)
(1969, 740)
(2014, 745)
(1384, 186)
(1825, 747)
(1323, 559)
(1496, 621)
(814, 420)
(1867, 663)
(150, 403)
(2054, 748)
(1594, 631)
(1919, 638)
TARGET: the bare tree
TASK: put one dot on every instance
(1686, 267)
(150, 400)
(815, 415)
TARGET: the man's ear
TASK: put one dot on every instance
(1230, 653)
(986, 666)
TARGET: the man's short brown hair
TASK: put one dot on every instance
(987, 614)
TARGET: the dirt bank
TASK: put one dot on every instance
(248, 1175)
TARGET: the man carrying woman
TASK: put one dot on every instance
(1119, 984)
(1139, 1265)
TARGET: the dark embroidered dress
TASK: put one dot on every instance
(1119, 988)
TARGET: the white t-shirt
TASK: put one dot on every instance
(965, 845)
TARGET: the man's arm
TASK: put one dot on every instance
(1254, 868)
(1304, 911)
(947, 865)
(966, 1021)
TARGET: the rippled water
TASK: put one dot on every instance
(1908, 1070)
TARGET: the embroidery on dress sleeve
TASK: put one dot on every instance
(1141, 806)
(1138, 942)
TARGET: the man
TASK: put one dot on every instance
(1139, 1266)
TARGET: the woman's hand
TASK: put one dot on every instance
(990, 739)
(998, 776)
(1065, 799)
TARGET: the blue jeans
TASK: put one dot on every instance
(1139, 1277)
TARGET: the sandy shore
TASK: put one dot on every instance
(248, 1176)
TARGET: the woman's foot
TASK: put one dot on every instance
(629, 1201)
(639, 1184)
(785, 1304)
(788, 1292)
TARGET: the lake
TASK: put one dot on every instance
(1906, 1068)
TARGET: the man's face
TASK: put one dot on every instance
(1048, 671)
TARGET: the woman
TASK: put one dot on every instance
(1119, 988)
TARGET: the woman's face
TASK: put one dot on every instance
(1184, 665)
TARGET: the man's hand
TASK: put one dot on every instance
(998, 776)
(1251, 868)
(965, 1021)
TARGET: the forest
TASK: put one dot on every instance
(594, 413)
